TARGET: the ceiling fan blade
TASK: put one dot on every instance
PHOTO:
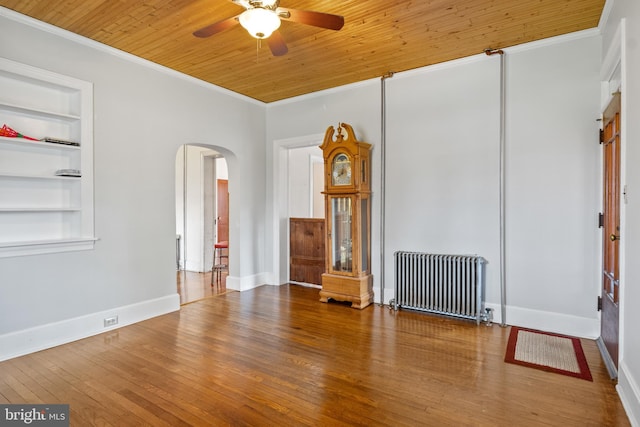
(219, 26)
(277, 44)
(317, 19)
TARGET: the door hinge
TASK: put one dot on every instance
(600, 220)
(599, 303)
(601, 137)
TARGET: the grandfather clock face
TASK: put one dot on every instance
(341, 170)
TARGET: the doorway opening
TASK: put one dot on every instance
(202, 222)
(286, 181)
(609, 301)
(306, 215)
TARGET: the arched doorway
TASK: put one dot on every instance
(201, 215)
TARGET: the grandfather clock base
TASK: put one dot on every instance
(357, 290)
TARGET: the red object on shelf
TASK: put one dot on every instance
(7, 131)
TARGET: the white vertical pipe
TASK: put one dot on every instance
(503, 267)
(383, 160)
(503, 286)
(184, 206)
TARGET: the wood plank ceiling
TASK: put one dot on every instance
(378, 36)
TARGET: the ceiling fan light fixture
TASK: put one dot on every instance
(259, 22)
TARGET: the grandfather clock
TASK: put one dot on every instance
(347, 194)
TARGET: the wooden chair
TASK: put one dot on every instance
(220, 261)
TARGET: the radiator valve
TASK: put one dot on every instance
(487, 316)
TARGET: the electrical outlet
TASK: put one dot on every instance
(110, 321)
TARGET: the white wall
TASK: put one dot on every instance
(625, 15)
(317, 199)
(443, 152)
(143, 114)
(553, 187)
(301, 180)
(442, 186)
(442, 163)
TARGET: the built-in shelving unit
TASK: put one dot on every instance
(40, 211)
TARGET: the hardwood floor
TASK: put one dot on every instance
(276, 356)
(193, 286)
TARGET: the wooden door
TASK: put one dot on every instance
(611, 230)
(222, 220)
(306, 250)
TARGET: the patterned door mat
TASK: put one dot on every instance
(546, 351)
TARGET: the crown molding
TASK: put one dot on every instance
(76, 38)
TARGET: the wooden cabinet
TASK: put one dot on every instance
(348, 218)
(44, 205)
(307, 252)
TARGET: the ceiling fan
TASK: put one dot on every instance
(262, 20)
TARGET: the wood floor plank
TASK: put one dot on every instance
(34, 381)
(277, 356)
(60, 368)
(144, 397)
(15, 387)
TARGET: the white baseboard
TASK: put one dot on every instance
(629, 393)
(535, 319)
(246, 283)
(558, 323)
(30, 340)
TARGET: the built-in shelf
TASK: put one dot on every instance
(33, 247)
(40, 144)
(45, 177)
(41, 212)
(39, 209)
(37, 113)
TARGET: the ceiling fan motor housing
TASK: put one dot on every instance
(259, 4)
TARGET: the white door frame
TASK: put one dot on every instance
(280, 248)
(209, 206)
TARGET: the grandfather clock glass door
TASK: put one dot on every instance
(341, 235)
(364, 238)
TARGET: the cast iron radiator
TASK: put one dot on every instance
(451, 285)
